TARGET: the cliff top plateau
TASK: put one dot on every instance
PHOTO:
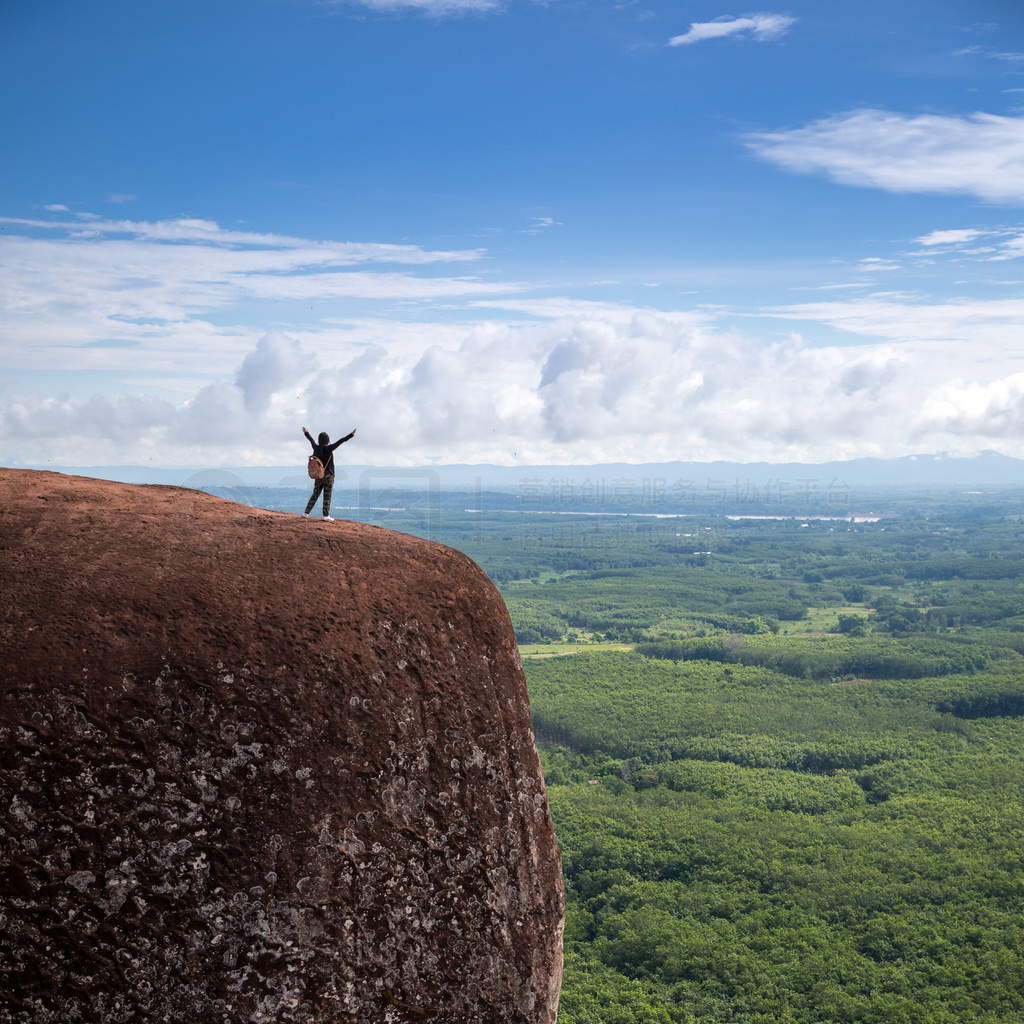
(260, 768)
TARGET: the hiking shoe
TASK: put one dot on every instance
(328, 519)
(305, 515)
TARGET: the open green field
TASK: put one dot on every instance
(823, 620)
(552, 650)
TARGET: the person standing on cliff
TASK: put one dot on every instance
(324, 451)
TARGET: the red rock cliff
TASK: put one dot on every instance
(260, 768)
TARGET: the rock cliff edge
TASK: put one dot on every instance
(260, 768)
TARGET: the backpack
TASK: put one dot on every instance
(315, 468)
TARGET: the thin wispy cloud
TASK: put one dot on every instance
(539, 224)
(965, 244)
(761, 27)
(208, 232)
(134, 295)
(980, 154)
(955, 236)
(875, 263)
(986, 51)
(983, 327)
(1012, 249)
(436, 8)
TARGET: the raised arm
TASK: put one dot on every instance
(309, 438)
(342, 440)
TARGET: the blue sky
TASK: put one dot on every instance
(510, 232)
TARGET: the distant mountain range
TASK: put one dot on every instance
(989, 470)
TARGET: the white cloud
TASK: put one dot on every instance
(138, 296)
(996, 244)
(557, 307)
(56, 208)
(944, 338)
(208, 232)
(39, 430)
(580, 389)
(952, 237)
(539, 224)
(276, 363)
(587, 389)
(437, 8)
(992, 410)
(875, 263)
(985, 51)
(204, 353)
(356, 284)
(762, 27)
(980, 155)
(1011, 249)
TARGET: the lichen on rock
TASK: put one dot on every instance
(257, 768)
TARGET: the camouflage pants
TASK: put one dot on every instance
(325, 484)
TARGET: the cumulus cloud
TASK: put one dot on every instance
(992, 410)
(762, 27)
(43, 425)
(582, 388)
(578, 389)
(277, 362)
(216, 418)
(980, 155)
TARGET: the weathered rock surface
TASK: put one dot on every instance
(260, 768)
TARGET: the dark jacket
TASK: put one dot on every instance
(324, 450)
